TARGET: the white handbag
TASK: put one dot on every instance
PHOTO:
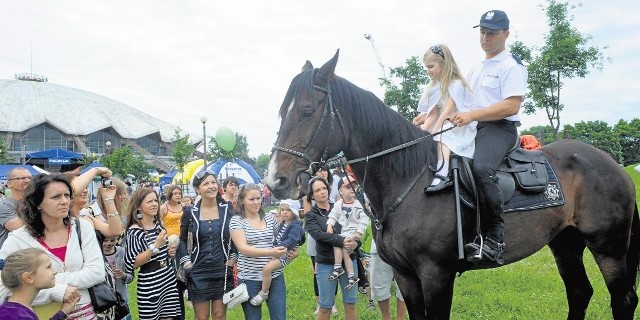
(236, 296)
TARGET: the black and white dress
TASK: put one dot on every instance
(157, 292)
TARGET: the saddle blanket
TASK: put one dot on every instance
(521, 200)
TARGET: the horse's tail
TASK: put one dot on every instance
(633, 254)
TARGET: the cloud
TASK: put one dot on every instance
(233, 62)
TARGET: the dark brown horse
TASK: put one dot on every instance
(323, 114)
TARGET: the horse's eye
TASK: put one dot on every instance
(307, 113)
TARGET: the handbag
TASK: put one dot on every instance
(103, 294)
(236, 296)
(122, 308)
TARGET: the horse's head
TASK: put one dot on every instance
(310, 131)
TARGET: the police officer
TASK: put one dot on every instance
(499, 84)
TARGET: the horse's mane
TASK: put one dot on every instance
(377, 125)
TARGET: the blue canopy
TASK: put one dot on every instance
(235, 167)
(56, 153)
(90, 166)
(168, 177)
(5, 168)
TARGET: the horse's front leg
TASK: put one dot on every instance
(429, 294)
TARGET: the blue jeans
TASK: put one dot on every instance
(327, 287)
(276, 303)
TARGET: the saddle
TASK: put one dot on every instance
(525, 177)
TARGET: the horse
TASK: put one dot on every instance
(323, 115)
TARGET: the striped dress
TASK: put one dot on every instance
(157, 293)
(250, 268)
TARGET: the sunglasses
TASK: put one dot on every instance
(202, 173)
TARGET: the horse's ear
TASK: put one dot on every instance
(307, 66)
(327, 71)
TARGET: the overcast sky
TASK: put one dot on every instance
(233, 61)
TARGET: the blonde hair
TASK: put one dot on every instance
(450, 71)
(282, 206)
(19, 262)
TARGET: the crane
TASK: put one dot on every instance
(369, 37)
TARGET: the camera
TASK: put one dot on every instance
(106, 182)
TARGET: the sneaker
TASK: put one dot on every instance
(362, 290)
(259, 298)
(444, 183)
(336, 273)
(371, 305)
(317, 310)
(352, 282)
(334, 311)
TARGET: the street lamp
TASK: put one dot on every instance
(108, 151)
(203, 119)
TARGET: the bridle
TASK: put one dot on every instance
(340, 160)
(329, 111)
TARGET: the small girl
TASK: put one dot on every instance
(348, 212)
(115, 258)
(288, 233)
(25, 272)
(447, 93)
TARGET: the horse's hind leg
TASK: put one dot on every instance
(567, 248)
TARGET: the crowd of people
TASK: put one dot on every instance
(55, 245)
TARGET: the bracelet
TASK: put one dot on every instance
(111, 215)
(108, 199)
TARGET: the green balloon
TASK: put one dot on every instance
(226, 139)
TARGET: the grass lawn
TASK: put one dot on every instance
(528, 289)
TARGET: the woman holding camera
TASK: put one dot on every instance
(112, 227)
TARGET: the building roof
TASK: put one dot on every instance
(26, 104)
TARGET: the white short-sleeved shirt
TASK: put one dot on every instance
(496, 79)
(430, 99)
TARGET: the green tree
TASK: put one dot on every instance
(404, 87)
(598, 134)
(123, 161)
(566, 54)
(262, 164)
(5, 157)
(182, 149)
(629, 135)
(240, 150)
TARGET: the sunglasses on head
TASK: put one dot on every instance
(250, 186)
(202, 173)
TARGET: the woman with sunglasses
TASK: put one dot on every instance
(252, 232)
(212, 255)
(316, 225)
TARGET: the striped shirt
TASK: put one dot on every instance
(157, 292)
(250, 268)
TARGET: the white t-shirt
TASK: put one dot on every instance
(496, 79)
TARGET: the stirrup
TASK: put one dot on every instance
(473, 250)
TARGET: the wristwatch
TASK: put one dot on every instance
(153, 249)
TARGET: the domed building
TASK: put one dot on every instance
(37, 115)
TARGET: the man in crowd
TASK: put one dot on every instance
(17, 181)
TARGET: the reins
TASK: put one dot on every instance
(339, 160)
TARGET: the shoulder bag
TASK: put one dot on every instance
(103, 295)
(236, 296)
